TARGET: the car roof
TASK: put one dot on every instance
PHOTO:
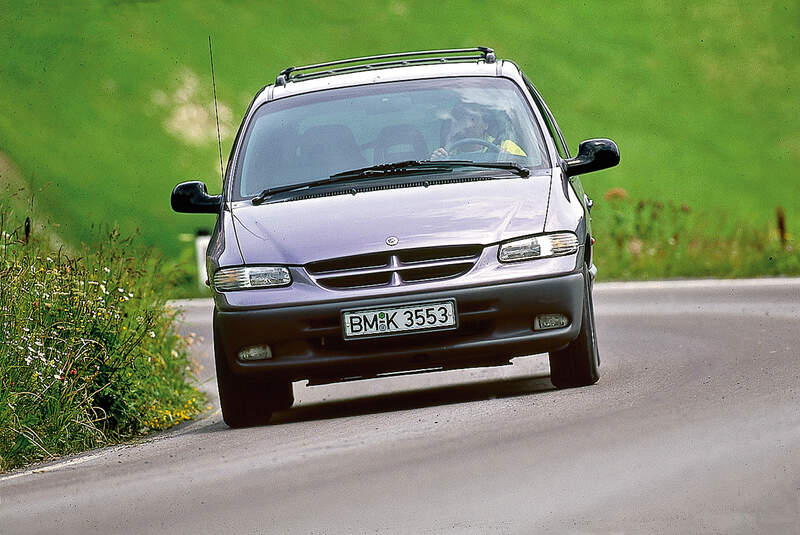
(286, 86)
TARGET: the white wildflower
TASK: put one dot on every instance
(152, 334)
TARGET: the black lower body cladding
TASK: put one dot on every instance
(495, 324)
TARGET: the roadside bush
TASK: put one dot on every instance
(650, 239)
(89, 351)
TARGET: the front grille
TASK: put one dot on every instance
(363, 280)
(395, 268)
(348, 263)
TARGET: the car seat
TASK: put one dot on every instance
(328, 149)
(400, 142)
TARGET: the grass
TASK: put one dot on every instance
(650, 239)
(111, 102)
(89, 351)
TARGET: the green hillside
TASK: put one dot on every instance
(109, 104)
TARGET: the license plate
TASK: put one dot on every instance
(399, 319)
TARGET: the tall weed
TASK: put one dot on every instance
(89, 351)
(651, 239)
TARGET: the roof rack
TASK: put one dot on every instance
(422, 57)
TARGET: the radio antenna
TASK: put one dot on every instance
(216, 111)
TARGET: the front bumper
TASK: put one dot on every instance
(495, 325)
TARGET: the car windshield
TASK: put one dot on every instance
(315, 135)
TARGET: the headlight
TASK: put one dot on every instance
(246, 277)
(542, 246)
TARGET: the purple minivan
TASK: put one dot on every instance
(397, 213)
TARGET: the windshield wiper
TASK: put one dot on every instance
(375, 171)
(388, 169)
(524, 172)
(428, 166)
(367, 172)
(396, 168)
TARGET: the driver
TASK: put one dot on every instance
(468, 123)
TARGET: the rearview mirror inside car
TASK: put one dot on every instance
(193, 198)
(593, 155)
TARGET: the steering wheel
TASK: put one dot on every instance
(473, 141)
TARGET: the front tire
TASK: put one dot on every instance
(248, 401)
(577, 364)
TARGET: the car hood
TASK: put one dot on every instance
(480, 212)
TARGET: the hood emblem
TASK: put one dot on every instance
(392, 240)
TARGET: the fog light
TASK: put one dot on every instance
(549, 321)
(255, 353)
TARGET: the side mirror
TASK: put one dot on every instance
(193, 198)
(593, 155)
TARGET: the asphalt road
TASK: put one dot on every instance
(694, 427)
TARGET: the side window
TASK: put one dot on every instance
(552, 126)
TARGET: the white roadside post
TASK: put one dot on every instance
(200, 246)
